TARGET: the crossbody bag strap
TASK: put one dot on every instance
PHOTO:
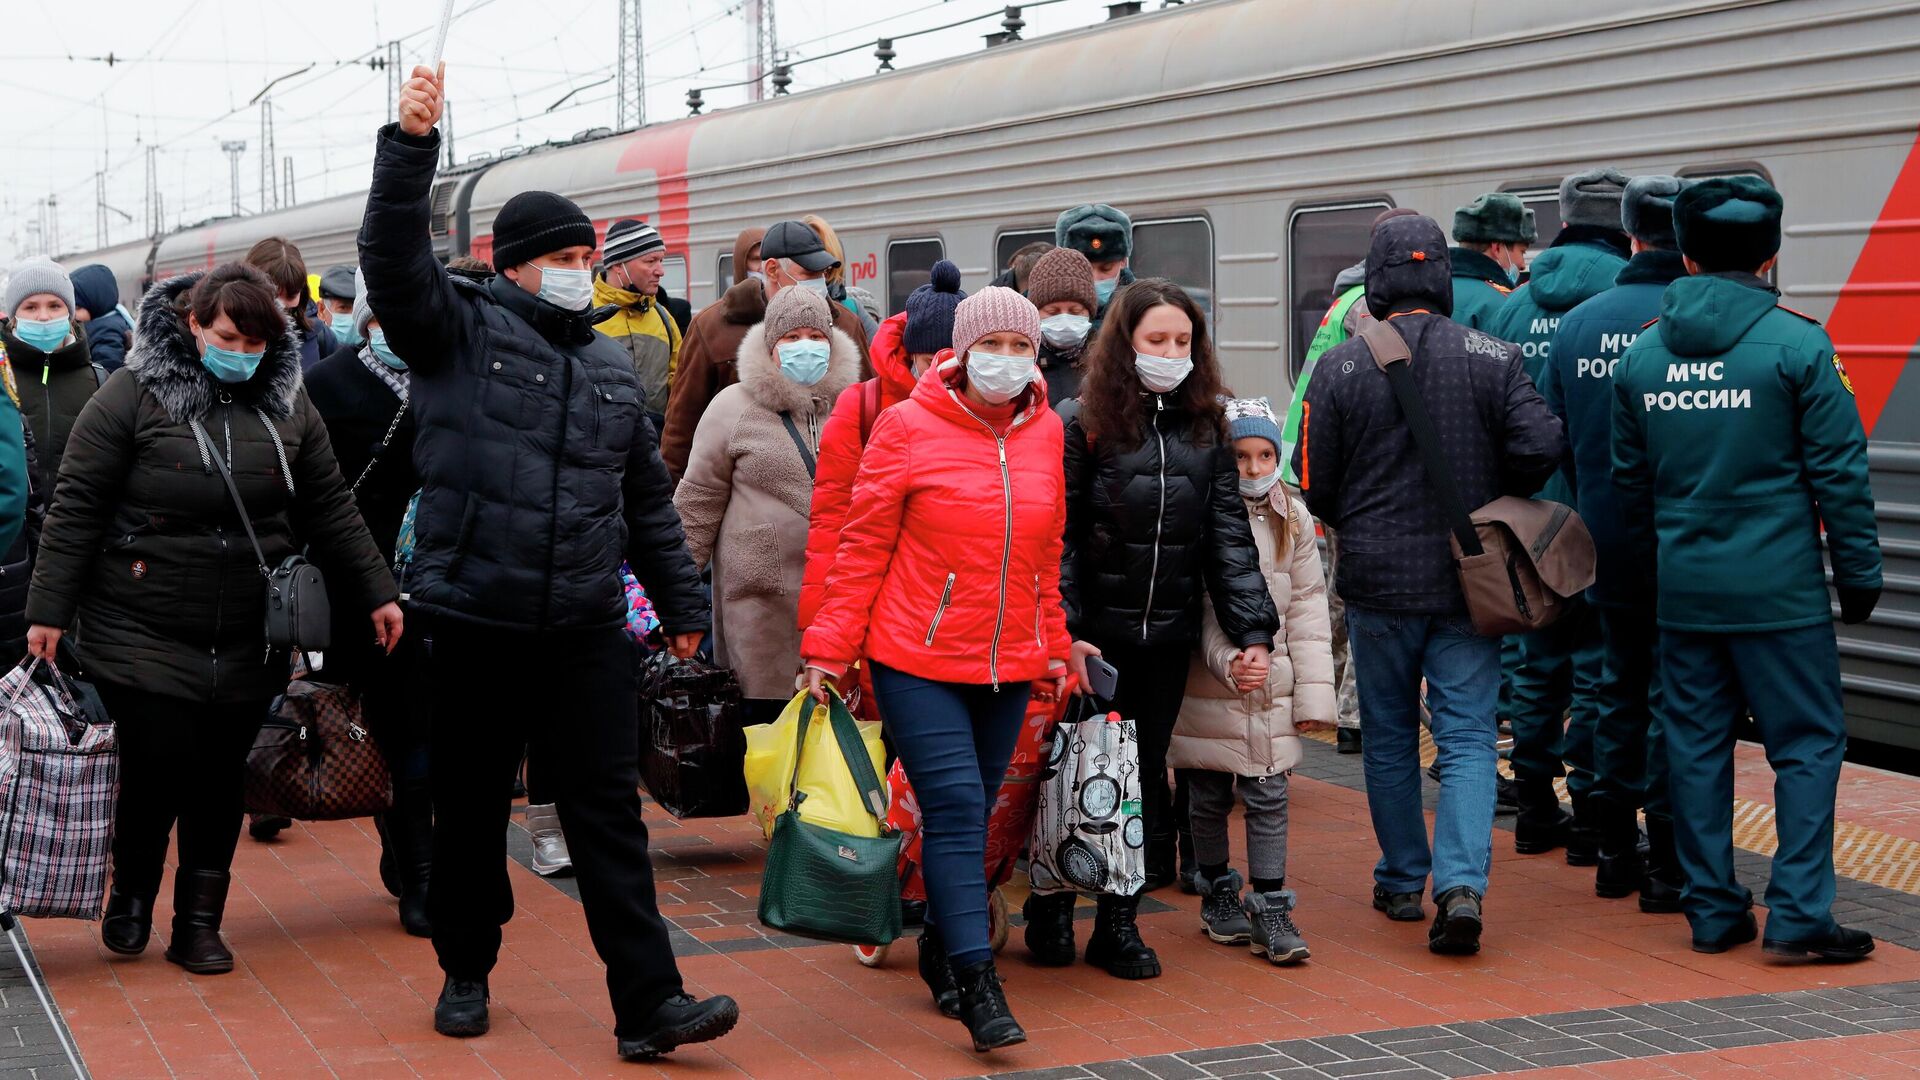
(385, 440)
(1391, 355)
(806, 453)
(212, 454)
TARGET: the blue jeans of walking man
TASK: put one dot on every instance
(1392, 652)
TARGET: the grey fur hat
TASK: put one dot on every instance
(1646, 209)
(1593, 198)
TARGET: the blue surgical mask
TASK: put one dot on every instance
(563, 288)
(805, 362)
(815, 285)
(229, 365)
(1103, 289)
(1513, 275)
(1258, 487)
(377, 341)
(343, 328)
(45, 335)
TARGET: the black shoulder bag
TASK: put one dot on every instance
(298, 616)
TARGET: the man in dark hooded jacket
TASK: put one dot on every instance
(1362, 473)
(96, 302)
(539, 477)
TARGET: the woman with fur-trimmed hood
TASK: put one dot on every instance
(749, 485)
(144, 560)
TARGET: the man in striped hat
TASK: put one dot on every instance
(634, 260)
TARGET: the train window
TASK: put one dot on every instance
(1179, 250)
(675, 279)
(723, 276)
(1321, 242)
(909, 262)
(1545, 204)
(1013, 240)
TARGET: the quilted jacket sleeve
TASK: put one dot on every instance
(1239, 590)
(100, 454)
(1059, 640)
(1077, 491)
(423, 318)
(867, 541)
(1534, 440)
(837, 465)
(656, 546)
(1309, 627)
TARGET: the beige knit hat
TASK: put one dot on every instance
(990, 311)
(792, 308)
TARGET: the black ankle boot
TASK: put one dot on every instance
(1622, 868)
(410, 827)
(1116, 946)
(1542, 824)
(983, 1008)
(1660, 891)
(1050, 928)
(1163, 860)
(127, 923)
(199, 900)
(1583, 836)
(937, 973)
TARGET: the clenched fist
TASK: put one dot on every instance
(423, 99)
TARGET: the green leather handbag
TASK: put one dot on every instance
(825, 884)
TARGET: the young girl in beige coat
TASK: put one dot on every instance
(1239, 731)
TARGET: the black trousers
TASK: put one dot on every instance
(1153, 683)
(180, 761)
(569, 699)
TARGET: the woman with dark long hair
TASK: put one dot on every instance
(1154, 523)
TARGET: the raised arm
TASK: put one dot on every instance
(407, 288)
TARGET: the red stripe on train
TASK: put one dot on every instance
(1876, 319)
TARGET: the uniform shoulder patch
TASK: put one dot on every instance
(1840, 369)
(1503, 290)
(1802, 314)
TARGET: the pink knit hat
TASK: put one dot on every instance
(993, 310)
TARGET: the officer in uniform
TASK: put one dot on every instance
(1629, 752)
(1491, 239)
(1735, 440)
(1555, 690)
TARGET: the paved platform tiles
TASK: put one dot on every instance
(329, 986)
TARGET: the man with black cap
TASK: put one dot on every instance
(1363, 473)
(1104, 235)
(336, 305)
(538, 478)
(1629, 749)
(791, 256)
(1736, 445)
(633, 260)
(1493, 235)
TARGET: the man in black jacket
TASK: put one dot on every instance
(538, 477)
(1362, 472)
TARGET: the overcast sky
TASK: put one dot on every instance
(185, 70)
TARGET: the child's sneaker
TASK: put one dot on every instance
(1274, 935)
(1226, 923)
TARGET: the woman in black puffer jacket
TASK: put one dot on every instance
(144, 557)
(1155, 523)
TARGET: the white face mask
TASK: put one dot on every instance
(563, 288)
(999, 378)
(813, 285)
(1161, 374)
(1064, 331)
(1258, 487)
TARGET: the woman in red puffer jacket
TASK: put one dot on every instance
(948, 579)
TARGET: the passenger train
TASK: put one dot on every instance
(1254, 141)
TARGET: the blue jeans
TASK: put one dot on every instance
(955, 741)
(1392, 651)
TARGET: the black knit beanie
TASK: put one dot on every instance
(536, 223)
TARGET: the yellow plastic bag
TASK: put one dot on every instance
(832, 799)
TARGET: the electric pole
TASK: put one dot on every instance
(53, 225)
(765, 38)
(287, 172)
(153, 192)
(630, 96)
(269, 178)
(100, 207)
(234, 148)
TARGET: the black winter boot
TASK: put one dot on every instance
(461, 1012)
(983, 1008)
(1583, 838)
(1660, 892)
(199, 900)
(1542, 824)
(410, 832)
(681, 1020)
(937, 972)
(1621, 868)
(1050, 928)
(127, 923)
(1116, 946)
(1163, 860)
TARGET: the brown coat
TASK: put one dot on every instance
(744, 504)
(708, 362)
(1221, 729)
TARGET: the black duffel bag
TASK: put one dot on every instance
(693, 748)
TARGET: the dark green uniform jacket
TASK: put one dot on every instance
(1735, 435)
(1480, 288)
(54, 387)
(143, 547)
(1577, 382)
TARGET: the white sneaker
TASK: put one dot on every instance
(550, 856)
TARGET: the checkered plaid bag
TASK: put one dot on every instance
(314, 760)
(60, 768)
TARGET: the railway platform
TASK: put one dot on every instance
(1567, 985)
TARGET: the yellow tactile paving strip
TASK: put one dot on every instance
(1859, 853)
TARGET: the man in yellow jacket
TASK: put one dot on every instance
(634, 259)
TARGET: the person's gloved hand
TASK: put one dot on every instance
(1856, 603)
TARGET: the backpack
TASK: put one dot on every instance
(869, 407)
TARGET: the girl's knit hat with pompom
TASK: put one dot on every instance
(930, 310)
